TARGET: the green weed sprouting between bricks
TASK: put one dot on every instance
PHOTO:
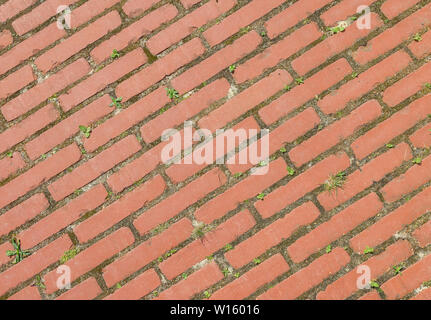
(116, 102)
(115, 54)
(232, 68)
(368, 250)
(172, 93)
(335, 181)
(9, 154)
(69, 254)
(17, 252)
(86, 131)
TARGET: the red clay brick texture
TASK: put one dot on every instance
(86, 117)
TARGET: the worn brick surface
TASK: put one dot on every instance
(86, 128)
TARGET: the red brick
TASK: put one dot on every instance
(392, 37)
(38, 15)
(181, 171)
(93, 168)
(423, 47)
(93, 256)
(391, 127)
(345, 286)
(393, 8)
(198, 281)
(308, 277)
(220, 60)
(78, 41)
(10, 165)
(29, 293)
(180, 200)
(332, 46)
(134, 8)
(120, 209)
(272, 235)
(365, 82)
(192, 21)
(343, 10)
(393, 222)
(126, 119)
(185, 110)
(302, 184)
(68, 127)
(213, 241)
(44, 90)
(138, 287)
(133, 32)
(340, 224)
(407, 182)
(88, 10)
(147, 251)
(422, 137)
(30, 46)
(28, 127)
(40, 173)
(277, 53)
(335, 133)
(33, 264)
(359, 180)
(246, 100)
(13, 7)
(64, 216)
(292, 15)
(407, 86)
(299, 95)
(5, 39)
(22, 213)
(239, 19)
(136, 169)
(425, 294)
(245, 189)
(408, 280)
(16, 81)
(248, 283)
(286, 133)
(423, 234)
(86, 290)
(160, 68)
(99, 80)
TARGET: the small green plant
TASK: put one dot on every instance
(172, 93)
(263, 163)
(115, 54)
(232, 68)
(170, 253)
(257, 261)
(9, 154)
(228, 247)
(389, 145)
(427, 283)
(17, 251)
(290, 171)
(236, 275)
(299, 81)
(283, 150)
(199, 230)
(427, 85)
(210, 258)
(116, 102)
(328, 249)
(368, 250)
(374, 284)
(335, 181)
(417, 37)
(287, 88)
(118, 286)
(225, 272)
(207, 294)
(38, 282)
(237, 175)
(260, 196)
(156, 294)
(337, 29)
(184, 275)
(354, 75)
(69, 254)
(397, 269)
(263, 33)
(86, 131)
(417, 160)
